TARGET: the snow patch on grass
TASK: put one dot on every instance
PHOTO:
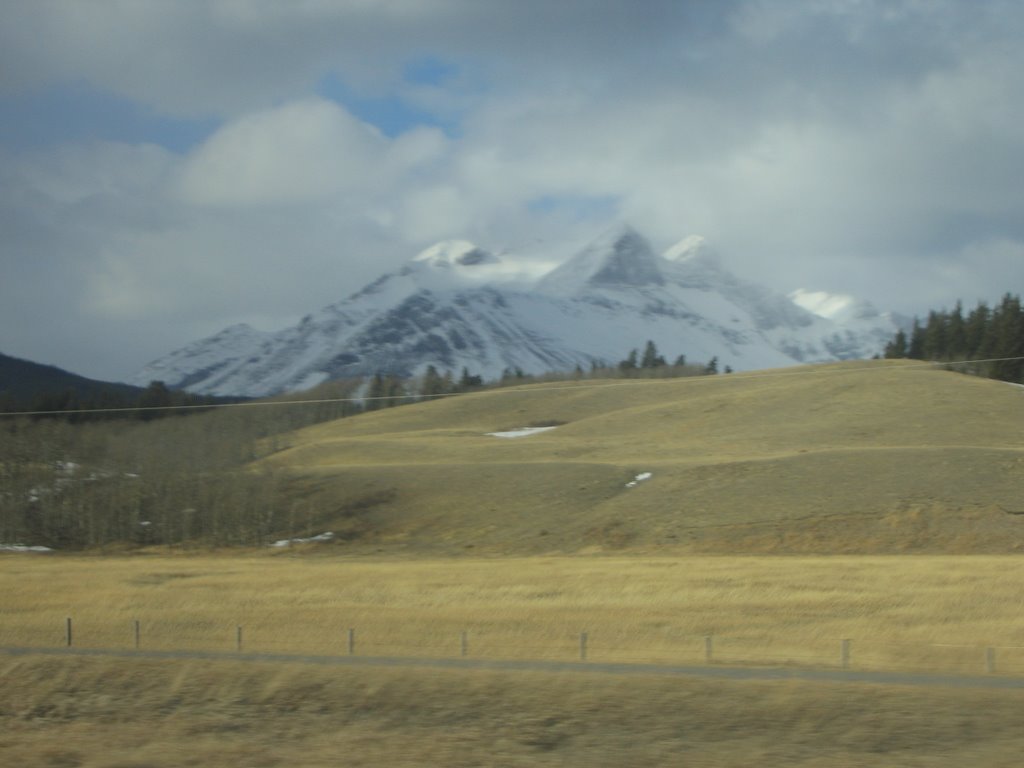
(326, 536)
(638, 479)
(521, 432)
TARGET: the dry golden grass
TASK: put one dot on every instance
(879, 457)
(875, 458)
(936, 613)
(99, 713)
(901, 613)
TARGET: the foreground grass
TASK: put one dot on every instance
(98, 713)
(925, 612)
(937, 613)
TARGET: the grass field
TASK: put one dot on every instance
(785, 512)
(900, 612)
(877, 457)
(97, 713)
(924, 612)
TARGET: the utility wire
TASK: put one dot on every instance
(574, 385)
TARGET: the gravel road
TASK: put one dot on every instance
(582, 667)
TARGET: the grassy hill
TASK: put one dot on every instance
(886, 456)
(858, 457)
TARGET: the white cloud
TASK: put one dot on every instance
(868, 147)
(298, 153)
(435, 212)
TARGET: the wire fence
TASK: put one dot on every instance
(539, 644)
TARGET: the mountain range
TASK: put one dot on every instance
(455, 306)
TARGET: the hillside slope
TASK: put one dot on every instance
(853, 457)
(23, 382)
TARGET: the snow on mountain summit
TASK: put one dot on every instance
(455, 252)
(833, 306)
(691, 248)
(619, 257)
(457, 305)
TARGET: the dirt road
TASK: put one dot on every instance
(582, 667)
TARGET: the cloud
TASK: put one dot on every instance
(301, 152)
(854, 146)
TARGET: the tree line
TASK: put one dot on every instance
(388, 390)
(184, 481)
(653, 363)
(100, 403)
(993, 337)
(91, 482)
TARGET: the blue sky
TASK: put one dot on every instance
(168, 169)
(77, 112)
(389, 113)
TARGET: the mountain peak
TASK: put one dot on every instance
(449, 253)
(833, 306)
(692, 248)
(454, 307)
(696, 263)
(619, 257)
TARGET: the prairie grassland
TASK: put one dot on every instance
(870, 458)
(137, 713)
(936, 613)
(836, 459)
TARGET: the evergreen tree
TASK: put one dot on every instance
(915, 350)
(629, 365)
(976, 330)
(1008, 340)
(712, 367)
(956, 334)
(897, 348)
(651, 358)
(934, 344)
(432, 384)
(992, 339)
(468, 381)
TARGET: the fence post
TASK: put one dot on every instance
(238, 638)
(67, 632)
(465, 643)
(990, 660)
(351, 642)
(844, 654)
(708, 649)
(583, 646)
(137, 633)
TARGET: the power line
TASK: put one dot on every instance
(574, 385)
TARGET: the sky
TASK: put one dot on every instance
(172, 167)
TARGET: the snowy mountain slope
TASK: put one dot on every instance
(619, 258)
(454, 305)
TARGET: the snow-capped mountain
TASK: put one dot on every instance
(457, 305)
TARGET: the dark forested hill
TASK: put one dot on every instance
(29, 386)
(25, 384)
